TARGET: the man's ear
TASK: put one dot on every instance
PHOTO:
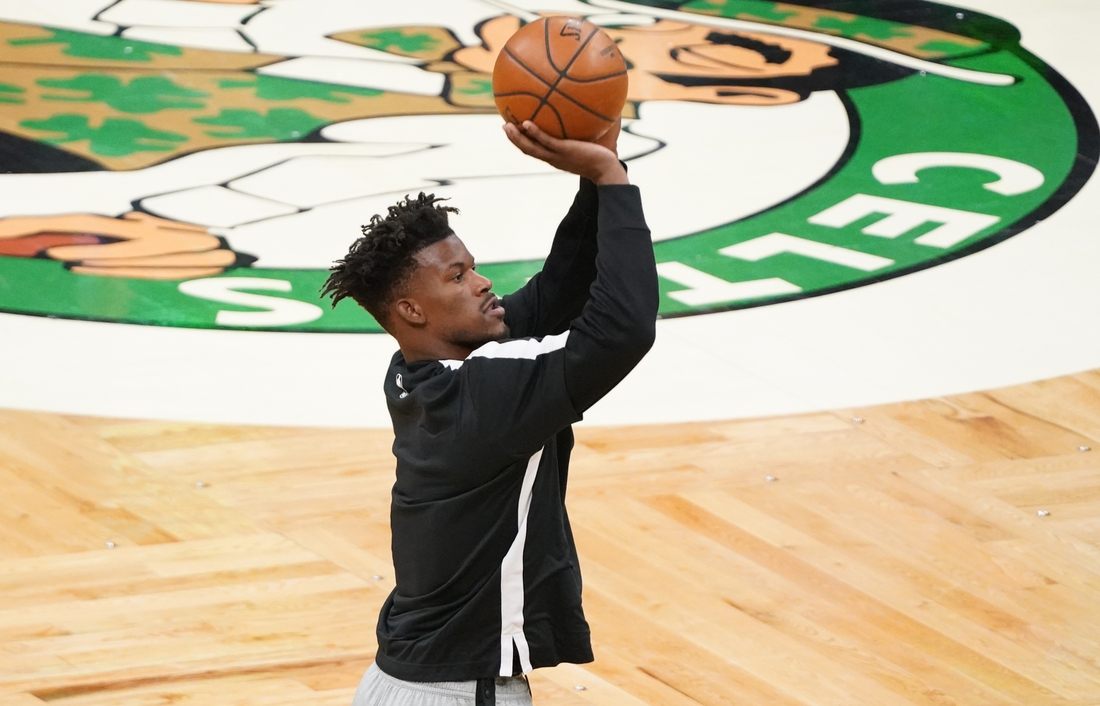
(409, 311)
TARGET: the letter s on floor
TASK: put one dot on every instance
(275, 311)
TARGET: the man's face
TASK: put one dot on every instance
(456, 301)
(666, 51)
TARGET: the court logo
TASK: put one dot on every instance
(202, 169)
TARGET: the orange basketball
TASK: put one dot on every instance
(564, 74)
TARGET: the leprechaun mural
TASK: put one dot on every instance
(163, 157)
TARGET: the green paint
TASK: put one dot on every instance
(144, 94)
(476, 87)
(117, 137)
(948, 48)
(768, 15)
(152, 302)
(765, 11)
(863, 26)
(741, 9)
(275, 88)
(1027, 122)
(278, 124)
(10, 94)
(94, 46)
(867, 27)
(386, 40)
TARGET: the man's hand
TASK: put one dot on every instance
(596, 161)
(610, 139)
(146, 247)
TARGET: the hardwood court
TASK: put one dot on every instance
(900, 560)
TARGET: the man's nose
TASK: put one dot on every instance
(484, 284)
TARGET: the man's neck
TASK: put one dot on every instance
(434, 350)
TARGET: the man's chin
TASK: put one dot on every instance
(503, 334)
(498, 334)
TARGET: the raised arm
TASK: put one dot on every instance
(617, 325)
(525, 390)
(555, 296)
(617, 322)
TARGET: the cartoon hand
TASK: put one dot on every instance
(143, 247)
(494, 33)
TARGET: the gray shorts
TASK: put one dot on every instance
(380, 689)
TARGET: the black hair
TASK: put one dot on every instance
(852, 70)
(378, 265)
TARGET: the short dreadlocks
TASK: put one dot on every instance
(378, 265)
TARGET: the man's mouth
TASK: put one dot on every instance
(492, 306)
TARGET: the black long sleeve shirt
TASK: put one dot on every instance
(488, 581)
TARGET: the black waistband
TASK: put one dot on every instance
(486, 692)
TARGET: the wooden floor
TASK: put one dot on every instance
(897, 560)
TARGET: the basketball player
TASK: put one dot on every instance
(482, 393)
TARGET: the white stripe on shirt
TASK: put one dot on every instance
(511, 582)
(528, 348)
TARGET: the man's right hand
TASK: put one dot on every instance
(591, 160)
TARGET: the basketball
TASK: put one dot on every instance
(564, 74)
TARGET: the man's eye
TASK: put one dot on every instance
(458, 277)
